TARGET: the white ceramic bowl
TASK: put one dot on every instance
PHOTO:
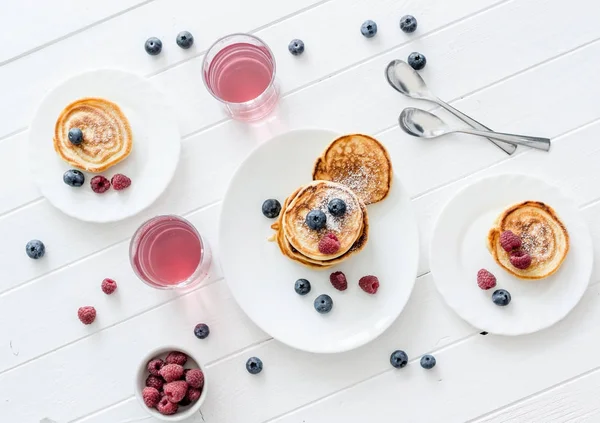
(142, 373)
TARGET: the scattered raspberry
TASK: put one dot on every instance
(100, 184)
(176, 357)
(193, 394)
(87, 315)
(109, 286)
(195, 378)
(120, 182)
(369, 284)
(151, 397)
(485, 280)
(509, 241)
(520, 259)
(154, 366)
(171, 372)
(155, 382)
(329, 244)
(175, 391)
(166, 407)
(339, 281)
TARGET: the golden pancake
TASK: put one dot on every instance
(107, 137)
(543, 236)
(360, 163)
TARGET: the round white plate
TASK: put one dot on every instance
(458, 251)
(262, 279)
(151, 164)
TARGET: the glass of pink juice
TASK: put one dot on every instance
(239, 71)
(168, 252)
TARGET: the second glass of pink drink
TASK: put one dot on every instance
(239, 71)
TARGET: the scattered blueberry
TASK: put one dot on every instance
(75, 136)
(501, 297)
(302, 286)
(271, 208)
(201, 330)
(323, 303)
(153, 46)
(185, 39)
(254, 365)
(428, 361)
(408, 24)
(399, 359)
(417, 61)
(35, 249)
(74, 178)
(368, 29)
(316, 219)
(337, 207)
(296, 47)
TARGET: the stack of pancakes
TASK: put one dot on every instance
(543, 236)
(355, 169)
(107, 137)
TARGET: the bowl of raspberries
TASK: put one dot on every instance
(170, 384)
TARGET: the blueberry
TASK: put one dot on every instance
(302, 286)
(428, 361)
(201, 330)
(254, 365)
(368, 29)
(399, 359)
(408, 24)
(417, 61)
(337, 207)
(74, 178)
(75, 136)
(153, 46)
(271, 208)
(323, 303)
(185, 39)
(501, 297)
(316, 219)
(296, 47)
(35, 249)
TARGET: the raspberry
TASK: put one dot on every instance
(100, 184)
(155, 382)
(195, 378)
(154, 366)
(193, 394)
(509, 241)
(87, 315)
(175, 391)
(166, 407)
(108, 286)
(120, 182)
(520, 259)
(176, 357)
(171, 372)
(485, 280)
(151, 397)
(369, 284)
(329, 244)
(339, 281)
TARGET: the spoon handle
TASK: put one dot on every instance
(507, 148)
(525, 140)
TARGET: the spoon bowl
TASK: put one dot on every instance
(406, 80)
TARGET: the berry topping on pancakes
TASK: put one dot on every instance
(509, 241)
(520, 259)
(329, 244)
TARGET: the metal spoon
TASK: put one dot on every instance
(404, 79)
(420, 123)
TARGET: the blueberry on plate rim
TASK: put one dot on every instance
(201, 330)
(428, 361)
(73, 178)
(153, 46)
(254, 365)
(316, 219)
(185, 39)
(399, 359)
(501, 297)
(302, 286)
(296, 47)
(408, 24)
(323, 303)
(417, 61)
(337, 207)
(271, 208)
(35, 249)
(368, 28)
(75, 136)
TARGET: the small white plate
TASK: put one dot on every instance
(262, 279)
(151, 164)
(458, 251)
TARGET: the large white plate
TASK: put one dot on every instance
(458, 251)
(262, 279)
(151, 164)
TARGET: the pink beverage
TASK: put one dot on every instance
(239, 71)
(168, 252)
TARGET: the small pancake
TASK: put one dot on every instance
(543, 236)
(107, 137)
(359, 162)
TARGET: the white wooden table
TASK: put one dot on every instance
(522, 66)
